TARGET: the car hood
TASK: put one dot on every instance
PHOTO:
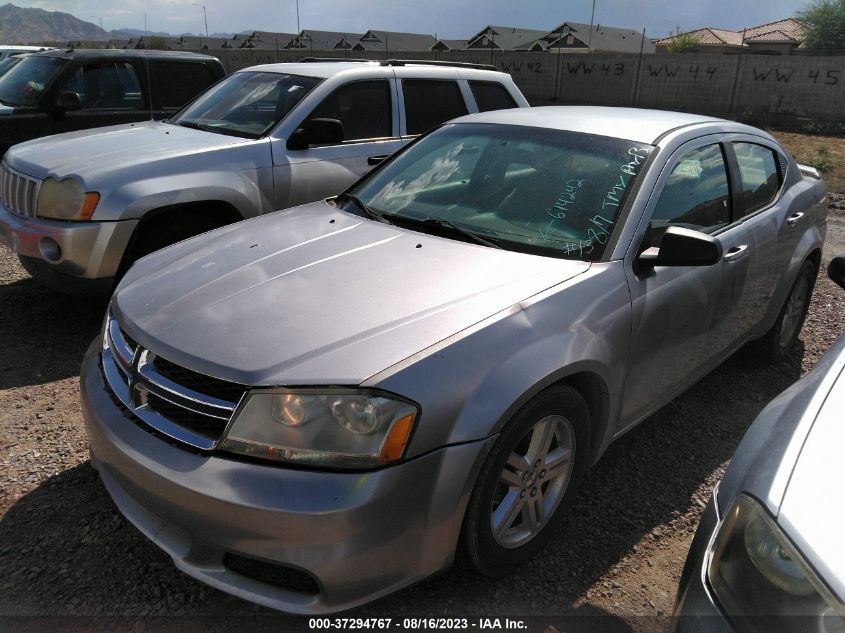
(813, 512)
(90, 153)
(4, 109)
(314, 295)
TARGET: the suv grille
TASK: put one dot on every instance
(18, 193)
(178, 402)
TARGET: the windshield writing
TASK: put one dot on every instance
(538, 190)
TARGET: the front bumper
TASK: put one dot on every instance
(359, 535)
(696, 610)
(89, 250)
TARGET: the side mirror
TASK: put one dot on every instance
(68, 101)
(317, 132)
(683, 247)
(836, 270)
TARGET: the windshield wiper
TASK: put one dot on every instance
(368, 212)
(441, 224)
(194, 125)
(454, 228)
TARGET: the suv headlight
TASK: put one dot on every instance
(65, 200)
(763, 582)
(334, 428)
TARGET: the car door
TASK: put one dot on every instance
(367, 109)
(109, 91)
(759, 169)
(685, 319)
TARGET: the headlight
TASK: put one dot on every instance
(326, 427)
(761, 580)
(64, 200)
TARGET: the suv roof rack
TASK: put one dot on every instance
(431, 62)
(320, 60)
(401, 62)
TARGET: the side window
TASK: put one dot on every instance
(106, 85)
(362, 106)
(173, 84)
(490, 95)
(696, 194)
(758, 170)
(430, 102)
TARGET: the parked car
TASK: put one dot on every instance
(11, 50)
(308, 408)
(8, 63)
(768, 553)
(67, 90)
(265, 138)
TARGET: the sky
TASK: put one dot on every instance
(457, 19)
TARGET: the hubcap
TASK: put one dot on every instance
(533, 481)
(794, 311)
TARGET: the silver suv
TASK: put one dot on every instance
(79, 208)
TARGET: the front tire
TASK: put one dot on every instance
(528, 480)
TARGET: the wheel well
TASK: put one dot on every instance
(594, 391)
(816, 258)
(218, 212)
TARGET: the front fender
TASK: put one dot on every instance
(471, 384)
(249, 191)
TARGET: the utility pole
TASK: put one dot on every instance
(297, 18)
(590, 37)
(204, 17)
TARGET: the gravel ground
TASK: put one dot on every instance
(66, 551)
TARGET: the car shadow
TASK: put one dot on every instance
(45, 333)
(67, 552)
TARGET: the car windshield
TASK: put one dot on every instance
(247, 104)
(528, 189)
(22, 84)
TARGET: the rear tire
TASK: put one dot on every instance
(777, 342)
(527, 481)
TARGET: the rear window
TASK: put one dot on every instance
(431, 102)
(490, 95)
(174, 83)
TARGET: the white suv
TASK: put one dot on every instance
(78, 208)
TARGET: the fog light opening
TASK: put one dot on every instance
(50, 249)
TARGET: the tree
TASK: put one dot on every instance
(682, 42)
(825, 21)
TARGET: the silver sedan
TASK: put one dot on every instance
(308, 409)
(768, 555)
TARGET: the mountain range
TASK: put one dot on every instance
(20, 25)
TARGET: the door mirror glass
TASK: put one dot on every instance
(317, 132)
(683, 247)
(68, 101)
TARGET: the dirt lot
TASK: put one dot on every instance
(826, 153)
(65, 550)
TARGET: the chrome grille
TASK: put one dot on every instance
(178, 402)
(18, 193)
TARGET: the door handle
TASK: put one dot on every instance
(375, 160)
(736, 253)
(792, 220)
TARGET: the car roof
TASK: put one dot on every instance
(130, 53)
(634, 124)
(330, 69)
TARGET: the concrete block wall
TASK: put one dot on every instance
(759, 88)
